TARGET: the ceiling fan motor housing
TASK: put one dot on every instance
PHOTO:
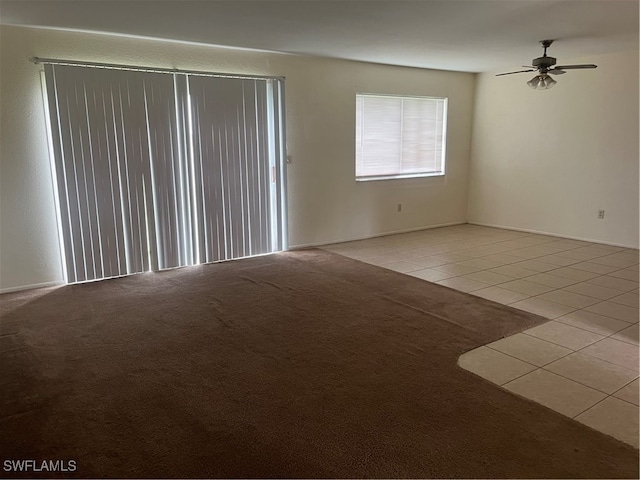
(543, 62)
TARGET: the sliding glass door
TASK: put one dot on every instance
(157, 170)
(236, 151)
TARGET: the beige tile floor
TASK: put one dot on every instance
(583, 363)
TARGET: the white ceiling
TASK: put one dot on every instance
(463, 35)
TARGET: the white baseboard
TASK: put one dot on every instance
(31, 287)
(540, 232)
(394, 232)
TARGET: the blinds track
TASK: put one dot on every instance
(137, 68)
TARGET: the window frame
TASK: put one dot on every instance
(399, 176)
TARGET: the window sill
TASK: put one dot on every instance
(399, 177)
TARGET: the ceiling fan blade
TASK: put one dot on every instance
(575, 67)
(519, 71)
(556, 71)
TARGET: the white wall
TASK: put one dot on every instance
(325, 203)
(549, 160)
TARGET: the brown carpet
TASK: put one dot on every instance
(301, 364)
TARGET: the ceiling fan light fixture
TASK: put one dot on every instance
(534, 82)
(541, 82)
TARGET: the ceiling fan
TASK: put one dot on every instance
(545, 66)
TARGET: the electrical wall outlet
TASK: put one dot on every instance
(601, 214)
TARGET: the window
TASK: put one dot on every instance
(399, 137)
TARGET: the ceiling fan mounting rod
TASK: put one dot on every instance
(545, 44)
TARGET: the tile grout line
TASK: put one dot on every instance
(599, 402)
(537, 367)
(525, 361)
(542, 367)
(559, 344)
(625, 386)
(503, 385)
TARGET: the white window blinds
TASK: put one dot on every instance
(157, 170)
(399, 136)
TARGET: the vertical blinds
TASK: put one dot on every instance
(158, 170)
(399, 135)
(233, 166)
